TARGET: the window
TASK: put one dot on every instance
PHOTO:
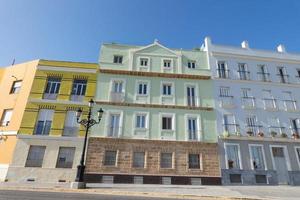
(225, 92)
(6, 117)
(118, 59)
(71, 126)
(118, 86)
(252, 126)
(298, 75)
(288, 101)
(167, 63)
(263, 73)
(222, 70)
(274, 125)
(229, 123)
(144, 62)
(110, 158)
(243, 73)
(282, 75)
(65, 157)
(166, 160)
(167, 123)
(44, 122)
(142, 89)
(235, 178)
(232, 153)
(194, 161)
(140, 121)
(269, 100)
(79, 87)
(257, 157)
(114, 127)
(52, 88)
(191, 97)
(191, 64)
(35, 156)
(295, 126)
(192, 128)
(298, 154)
(16, 86)
(248, 101)
(138, 159)
(167, 89)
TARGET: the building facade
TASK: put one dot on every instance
(159, 122)
(258, 119)
(47, 144)
(14, 82)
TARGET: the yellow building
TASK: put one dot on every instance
(40, 142)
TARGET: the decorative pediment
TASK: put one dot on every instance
(156, 48)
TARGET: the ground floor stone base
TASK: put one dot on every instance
(48, 171)
(112, 160)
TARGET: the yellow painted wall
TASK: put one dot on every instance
(7, 146)
(1, 73)
(62, 104)
(17, 102)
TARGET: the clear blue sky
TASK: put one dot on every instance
(74, 30)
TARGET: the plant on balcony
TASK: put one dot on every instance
(226, 134)
(284, 135)
(261, 134)
(295, 135)
(250, 133)
(273, 133)
(238, 133)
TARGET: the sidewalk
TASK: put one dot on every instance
(170, 191)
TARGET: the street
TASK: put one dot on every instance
(30, 195)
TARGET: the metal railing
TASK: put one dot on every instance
(284, 78)
(290, 105)
(51, 96)
(226, 101)
(223, 73)
(264, 76)
(232, 129)
(77, 98)
(270, 104)
(248, 102)
(244, 75)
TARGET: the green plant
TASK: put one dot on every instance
(261, 134)
(273, 133)
(284, 135)
(295, 135)
(226, 134)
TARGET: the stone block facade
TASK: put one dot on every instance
(123, 170)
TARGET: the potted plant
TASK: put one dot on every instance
(226, 134)
(249, 132)
(261, 134)
(284, 135)
(273, 133)
(295, 135)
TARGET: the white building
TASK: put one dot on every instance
(257, 96)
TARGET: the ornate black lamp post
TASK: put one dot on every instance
(87, 123)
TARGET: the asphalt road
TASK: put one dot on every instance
(30, 195)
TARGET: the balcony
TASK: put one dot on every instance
(248, 102)
(78, 98)
(193, 135)
(254, 129)
(232, 129)
(276, 131)
(191, 101)
(244, 75)
(226, 102)
(70, 131)
(42, 128)
(223, 73)
(290, 105)
(270, 104)
(263, 76)
(284, 78)
(51, 96)
(117, 97)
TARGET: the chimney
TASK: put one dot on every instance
(281, 48)
(245, 44)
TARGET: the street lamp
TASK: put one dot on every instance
(87, 123)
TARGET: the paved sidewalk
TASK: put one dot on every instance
(171, 191)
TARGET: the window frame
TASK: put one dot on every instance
(117, 58)
(191, 64)
(199, 159)
(239, 155)
(104, 163)
(263, 155)
(65, 166)
(160, 160)
(15, 90)
(4, 114)
(134, 164)
(43, 156)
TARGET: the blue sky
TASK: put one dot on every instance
(74, 30)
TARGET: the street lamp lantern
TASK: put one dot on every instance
(87, 123)
(78, 113)
(100, 113)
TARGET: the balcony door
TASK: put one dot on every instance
(191, 97)
(114, 127)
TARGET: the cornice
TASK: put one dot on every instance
(154, 74)
(154, 106)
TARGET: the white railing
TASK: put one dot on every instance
(226, 101)
(70, 131)
(77, 98)
(290, 105)
(270, 104)
(51, 96)
(248, 102)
